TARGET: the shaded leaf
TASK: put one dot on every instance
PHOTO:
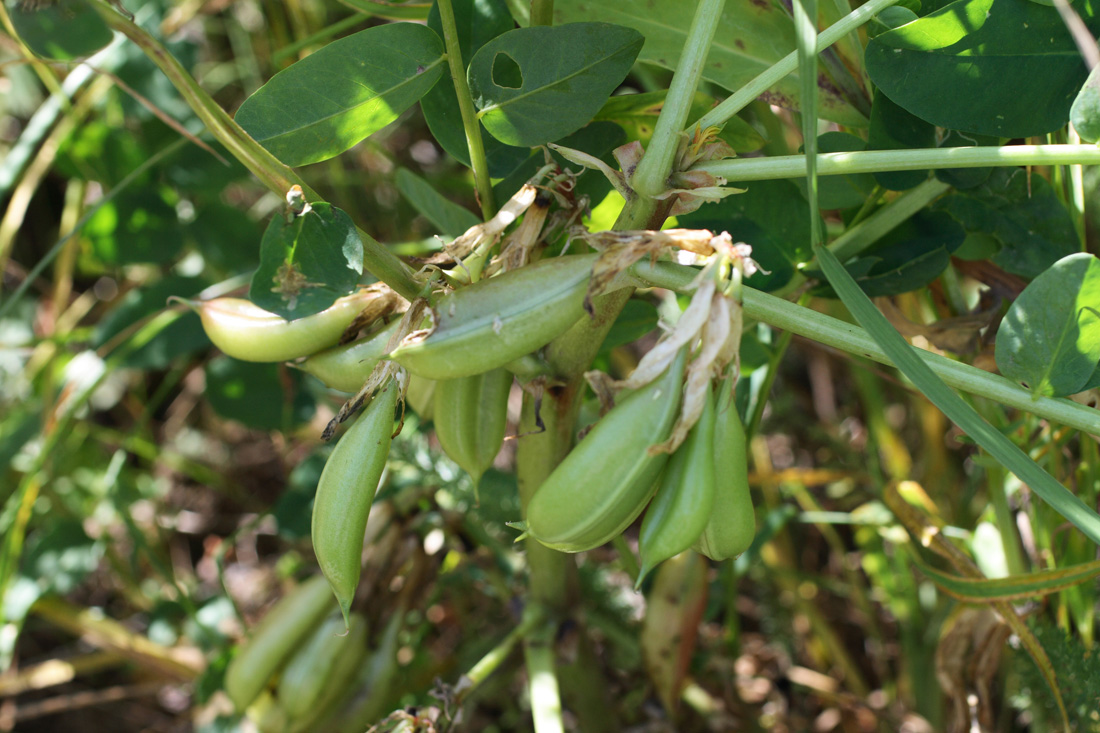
(138, 225)
(445, 215)
(893, 128)
(62, 30)
(307, 264)
(1007, 68)
(751, 37)
(535, 85)
(253, 394)
(1023, 213)
(477, 23)
(337, 96)
(1050, 337)
(181, 337)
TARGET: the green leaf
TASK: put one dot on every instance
(773, 217)
(253, 394)
(535, 85)
(1012, 588)
(1050, 337)
(637, 318)
(477, 23)
(1085, 111)
(62, 30)
(337, 96)
(1007, 68)
(137, 226)
(904, 356)
(448, 217)
(893, 128)
(751, 37)
(637, 115)
(307, 264)
(1023, 213)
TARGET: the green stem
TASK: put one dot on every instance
(873, 161)
(877, 225)
(466, 108)
(542, 12)
(543, 682)
(651, 177)
(854, 340)
(271, 172)
(773, 75)
(534, 618)
(776, 357)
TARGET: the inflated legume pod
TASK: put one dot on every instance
(420, 396)
(347, 367)
(345, 493)
(732, 524)
(471, 414)
(495, 321)
(287, 623)
(603, 484)
(327, 660)
(682, 506)
(249, 333)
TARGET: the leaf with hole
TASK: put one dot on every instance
(1050, 337)
(1007, 68)
(535, 85)
(336, 97)
(305, 265)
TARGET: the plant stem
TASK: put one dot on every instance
(542, 12)
(872, 161)
(271, 172)
(466, 108)
(878, 224)
(854, 340)
(543, 682)
(532, 619)
(651, 177)
(771, 76)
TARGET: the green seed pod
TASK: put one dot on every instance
(287, 623)
(420, 396)
(267, 714)
(492, 322)
(732, 524)
(325, 664)
(345, 493)
(347, 367)
(682, 507)
(606, 480)
(471, 415)
(249, 333)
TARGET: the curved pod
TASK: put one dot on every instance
(681, 509)
(247, 332)
(732, 524)
(495, 321)
(603, 484)
(287, 623)
(471, 415)
(345, 493)
(347, 367)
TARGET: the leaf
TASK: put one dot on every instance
(1050, 337)
(964, 178)
(307, 264)
(1084, 113)
(637, 115)
(137, 226)
(253, 394)
(674, 607)
(338, 96)
(1023, 213)
(1007, 68)
(411, 10)
(477, 23)
(535, 85)
(1012, 588)
(62, 30)
(751, 37)
(773, 217)
(445, 215)
(904, 356)
(637, 318)
(893, 128)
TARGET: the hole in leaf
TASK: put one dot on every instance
(506, 72)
